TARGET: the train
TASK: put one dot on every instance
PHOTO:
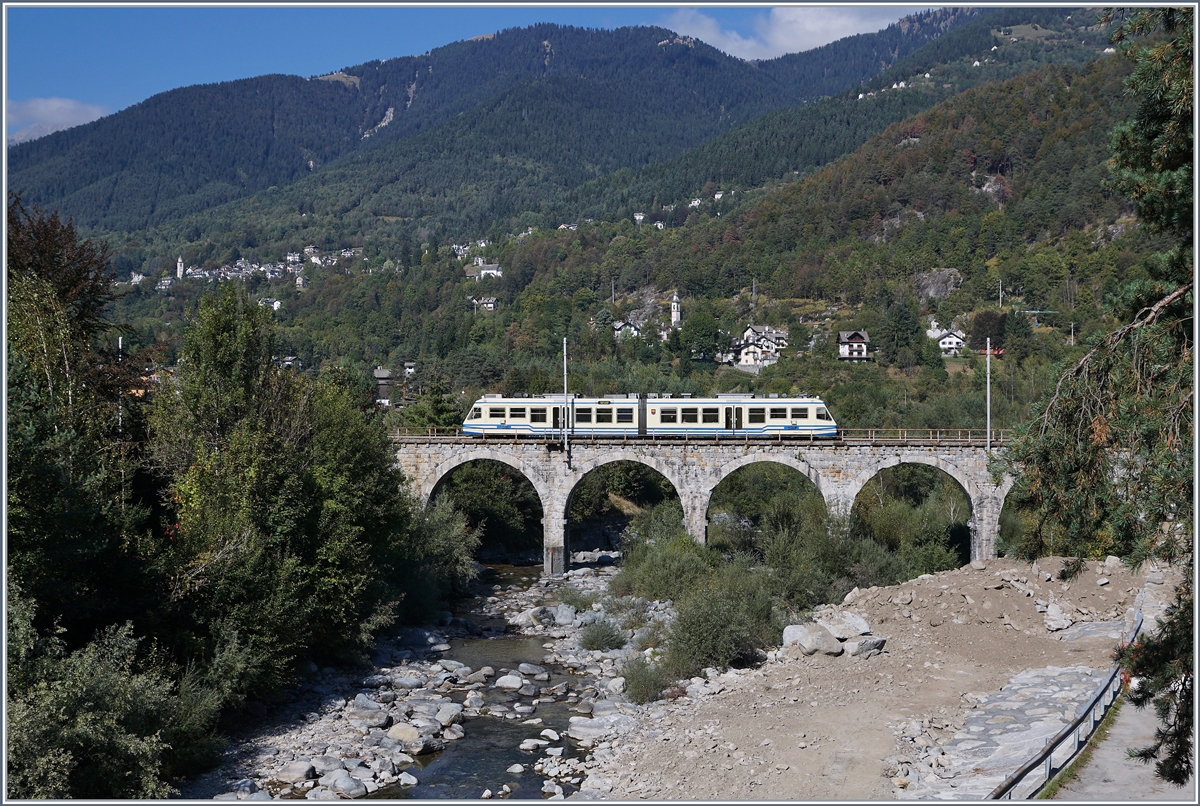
(651, 415)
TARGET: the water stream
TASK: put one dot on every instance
(481, 759)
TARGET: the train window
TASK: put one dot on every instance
(537, 415)
(669, 415)
(822, 414)
(583, 415)
(758, 415)
(710, 415)
(476, 413)
(517, 412)
(688, 415)
(496, 414)
(624, 415)
(604, 415)
(778, 414)
(800, 414)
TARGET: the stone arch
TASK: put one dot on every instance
(581, 470)
(433, 480)
(981, 495)
(669, 471)
(734, 465)
(850, 491)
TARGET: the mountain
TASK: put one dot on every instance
(194, 148)
(558, 150)
(1003, 183)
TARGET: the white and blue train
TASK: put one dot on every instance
(651, 415)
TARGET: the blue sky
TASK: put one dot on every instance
(69, 65)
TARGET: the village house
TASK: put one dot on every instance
(626, 330)
(852, 345)
(484, 303)
(759, 346)
(479, 270)
(270, 302)
(950, 342)
(301, 281)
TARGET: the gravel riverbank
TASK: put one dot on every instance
(925, 708)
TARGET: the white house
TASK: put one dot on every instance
(301, 281)
(852, 345)
(760, 346)
(485, 303)
(626, 330)
(270, 302)
(480, 270)
(950, 342)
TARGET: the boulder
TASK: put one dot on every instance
(564, 615)
(362, 702)
(867, 647)
(424, 745)
(510, 682)
(530, 669)
(324, 764)
(843, 624)
(449, 713)
(407, 779)
(1057, 618)
(299, 770)
(349, 786)
(811, 638)
(403, 732)
(408, 682)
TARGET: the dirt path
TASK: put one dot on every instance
(837, 728)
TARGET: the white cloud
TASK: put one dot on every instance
(36, 117)
(789, 29)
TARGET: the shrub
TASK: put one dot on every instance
(601, 635)
(577, 598)
(628, 611)
(660, 560)
(644, 682)
(724, 621)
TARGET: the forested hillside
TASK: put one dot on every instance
(1013, 198)
(187, 150)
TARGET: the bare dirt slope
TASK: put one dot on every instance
(821, 727)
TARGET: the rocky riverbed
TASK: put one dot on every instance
(914, 690)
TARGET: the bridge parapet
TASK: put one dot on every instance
(839, 469)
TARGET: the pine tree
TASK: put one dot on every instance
(1105, 465)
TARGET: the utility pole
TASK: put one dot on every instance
(1002, 295)
(989, 394)
(566, 406)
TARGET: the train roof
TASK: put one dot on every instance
(650, 396)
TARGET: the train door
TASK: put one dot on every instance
(733, 418)
(557, 424)
(641, 415)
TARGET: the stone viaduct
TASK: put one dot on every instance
(839, 470)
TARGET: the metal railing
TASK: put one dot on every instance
(1074, 733)
(846, 436)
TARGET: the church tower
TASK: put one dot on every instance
(675, 310)
(179, 267)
